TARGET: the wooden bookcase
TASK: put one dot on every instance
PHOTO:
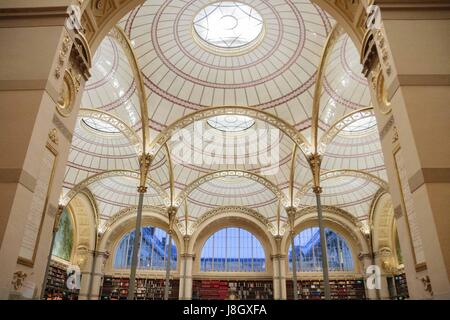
(116, 288)
(232, 289)
(401, 287)
(56, 287)
(341, 289)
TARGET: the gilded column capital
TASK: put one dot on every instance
(291, 212)
(145, 162)
(315, 161)
(317, 190)
(142, 189)
(172, 213)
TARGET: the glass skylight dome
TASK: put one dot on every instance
(361, 125)
(228, 24)
(99, 125)
(231, 123)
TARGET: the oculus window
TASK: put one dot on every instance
(153, 251)
(232, 250)
(309, 254)
(228, 24)
(99, 125)
(361, 125)
(231, 123)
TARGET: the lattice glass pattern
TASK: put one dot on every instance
(153, 250)
(233, 250)
(308, 253)
(228, 24)
(361, 125)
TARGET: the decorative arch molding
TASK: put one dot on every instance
(229, 210)
(290, 131)
(162, 211)
(340, 124)
(117, 123)
(343, 173)
(332, 210)
(231, 173)
(224, 220)
(383, 233)
(108, 174)
(84, 216)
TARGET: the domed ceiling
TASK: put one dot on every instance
(188, 67)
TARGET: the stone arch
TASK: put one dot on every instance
(84, 213)
(382, 221)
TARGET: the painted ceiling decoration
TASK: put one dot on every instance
(229, 68)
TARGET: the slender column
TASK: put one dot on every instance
(98, 274)
(183, 273)
(278, 277)
(291, 211)
(136, 244)
(171, 211)
(323, 245)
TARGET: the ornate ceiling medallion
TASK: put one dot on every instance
(228, 28)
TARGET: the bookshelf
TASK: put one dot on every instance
(116, 288)
(341, 289)
(232, 290)
(56, 288)
(401, 286)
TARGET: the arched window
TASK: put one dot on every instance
(64, 238)
(309, 254)
(233, 250)
(153, 251)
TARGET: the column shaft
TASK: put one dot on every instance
(136, 247)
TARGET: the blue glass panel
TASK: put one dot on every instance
(308, 252)
(153, 252)
(232, 250)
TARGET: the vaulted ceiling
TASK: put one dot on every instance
(182, 76)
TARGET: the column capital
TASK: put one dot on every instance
(145, 161)
(142, 189)
(315, 161)
(172, 214)
(277, 256)
(317, 189)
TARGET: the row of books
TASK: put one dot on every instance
(401, 287)
(56, 287)
(115, 288)
(232, 290)
(343, 289)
